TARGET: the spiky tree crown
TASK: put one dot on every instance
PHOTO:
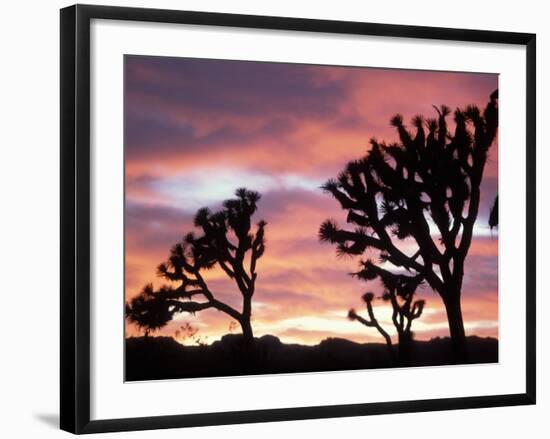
(400, 191)
(225, 238)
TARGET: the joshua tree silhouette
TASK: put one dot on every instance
(399, 290)
(227, 240)
(398, 191)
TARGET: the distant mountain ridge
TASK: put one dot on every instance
(154, 358)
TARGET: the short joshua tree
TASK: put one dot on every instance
(399, 291)
(227, 238)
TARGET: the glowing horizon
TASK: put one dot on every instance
(198, 129)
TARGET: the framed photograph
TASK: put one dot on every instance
(268, 218)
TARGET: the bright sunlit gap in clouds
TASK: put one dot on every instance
(209, 186)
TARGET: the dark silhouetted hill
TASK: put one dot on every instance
(153, 358)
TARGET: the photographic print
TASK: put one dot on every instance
(286, 218)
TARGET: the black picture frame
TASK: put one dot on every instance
(75, 217)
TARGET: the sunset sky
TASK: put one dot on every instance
(195, 130)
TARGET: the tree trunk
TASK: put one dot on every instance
(247, 331)
(248, 335)
(248, 358)
(456, 328)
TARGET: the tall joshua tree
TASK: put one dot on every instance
(424, 190)
(226, 239)
(399, 290)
